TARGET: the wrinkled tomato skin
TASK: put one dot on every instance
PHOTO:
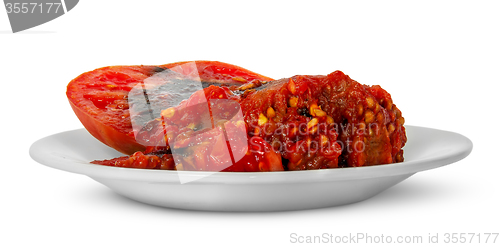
(116, 131)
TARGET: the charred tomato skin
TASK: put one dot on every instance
(99, 97)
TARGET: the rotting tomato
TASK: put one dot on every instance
(99, 98)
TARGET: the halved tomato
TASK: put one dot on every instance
(99, 98)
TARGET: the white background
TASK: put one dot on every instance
(440, 60)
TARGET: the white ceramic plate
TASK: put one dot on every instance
(270, 191)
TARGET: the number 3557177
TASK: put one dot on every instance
(31, 8)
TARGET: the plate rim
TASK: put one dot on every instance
(323, 175)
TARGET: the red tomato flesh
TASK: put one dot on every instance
(99, 98)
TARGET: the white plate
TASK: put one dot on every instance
(269, 191)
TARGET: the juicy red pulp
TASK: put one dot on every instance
(297, 123)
